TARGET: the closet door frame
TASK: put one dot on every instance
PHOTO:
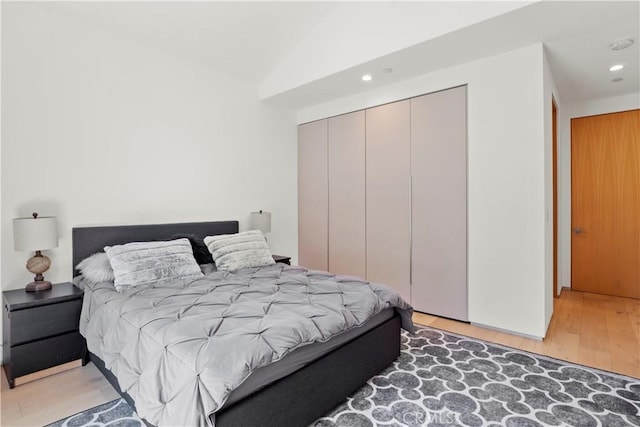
(397, 262)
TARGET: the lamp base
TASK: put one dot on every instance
(41, 285)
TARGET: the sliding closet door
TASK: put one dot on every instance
(388, 196)
(439, 203)
(347, 194)
(312, 195)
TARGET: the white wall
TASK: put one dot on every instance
(508, 277)
(100, 130)
(550, 94)
(2, 235)
(565, 114)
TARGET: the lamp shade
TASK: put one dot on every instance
(35, 234)
(261, 221)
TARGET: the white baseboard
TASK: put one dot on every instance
(507, 331)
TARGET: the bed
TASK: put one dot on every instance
(300, 387)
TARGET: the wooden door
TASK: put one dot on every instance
(439, 203)
(347, 194)
(313, 195)
(388, 203)
(605, 204)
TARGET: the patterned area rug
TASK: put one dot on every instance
(115, 413)
(444, 379)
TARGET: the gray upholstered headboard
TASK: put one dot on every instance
(89, 240)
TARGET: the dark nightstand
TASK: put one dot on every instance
(40, 331)
(283, 259)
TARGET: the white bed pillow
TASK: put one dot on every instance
(232, 252)
(96, 268)
(149, 263)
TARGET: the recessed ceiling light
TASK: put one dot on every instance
(387, 70)
(367, 78)
(616, 67)
(621, 44)
(617, 79)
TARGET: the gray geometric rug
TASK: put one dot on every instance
(448, 379)
(445, 379)
(117, 413)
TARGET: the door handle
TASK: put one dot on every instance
(578, 230)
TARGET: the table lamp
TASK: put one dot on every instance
(36, 234)
(261, 221)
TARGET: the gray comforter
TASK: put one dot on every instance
(179, 349)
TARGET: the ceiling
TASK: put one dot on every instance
(252, 39)
(576, 36)
(238, 37)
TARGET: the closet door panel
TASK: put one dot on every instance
(347, 194)
(439, 203)
(388, 196)
(313, 195)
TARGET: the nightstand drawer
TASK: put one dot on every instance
(34, 323)
(43, 354)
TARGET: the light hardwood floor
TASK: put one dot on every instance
(593, 330)
(49, 399)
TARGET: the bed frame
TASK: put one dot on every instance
(295, 400)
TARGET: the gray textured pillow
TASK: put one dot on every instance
(232, 252)
(96, 268)
(149, 263)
